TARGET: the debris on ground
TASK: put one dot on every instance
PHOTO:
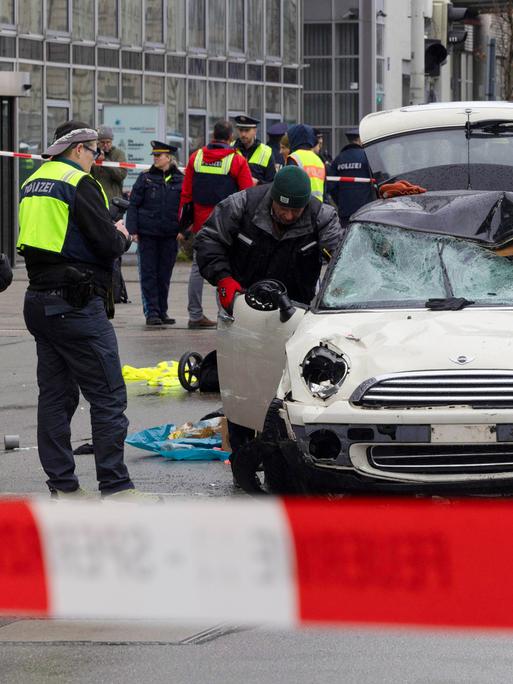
(164, 373)
(201, 441)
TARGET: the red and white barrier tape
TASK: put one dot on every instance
(130, 165)
(286, 563)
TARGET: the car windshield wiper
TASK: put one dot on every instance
(448, 303)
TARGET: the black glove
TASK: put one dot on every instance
(5, 272)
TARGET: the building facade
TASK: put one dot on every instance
(202, 59)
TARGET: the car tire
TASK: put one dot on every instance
(279, 478)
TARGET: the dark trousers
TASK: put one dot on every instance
(77, 348)
(157, 256)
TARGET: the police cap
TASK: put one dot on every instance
(162, 147)
(352, 133)
(244, 121)
(279, 128)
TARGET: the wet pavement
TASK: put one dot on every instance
(139, 345)
(62, 651)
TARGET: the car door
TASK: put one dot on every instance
(251, 359)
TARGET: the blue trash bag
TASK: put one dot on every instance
(156, 440)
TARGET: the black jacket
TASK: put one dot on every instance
(263, 174)
(154, 203)
(5, 272)
(240, 240)
(349, 197)
(47, 270)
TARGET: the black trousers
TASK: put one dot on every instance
(77, 348)
(157, 256)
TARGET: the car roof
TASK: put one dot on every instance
(482, 216)
(434, 115)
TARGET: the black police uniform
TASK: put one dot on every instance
(77, 347)
(153, 216)
(351, 161)
(262, 173)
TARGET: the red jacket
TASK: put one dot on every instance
(239, 171)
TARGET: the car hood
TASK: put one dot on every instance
(381, 342)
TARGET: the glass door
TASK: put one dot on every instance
(197, 131)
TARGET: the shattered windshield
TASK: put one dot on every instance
(384, 266)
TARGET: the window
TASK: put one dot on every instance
(108, 18)
(83, 54)
(7, 12)
(83, 20)
(273, 27)
(237, 97)
(318, 109)
(154, 21)
(197, 94)
(83, 95)
(175, 105)
(290, 105)
(346, 39)
(216, 103)
(217, 69)
(131, 88)
(153, 90)
(318, 75)
(217, 27)
(131, 60)
(154, 62)
(30, 49)
(57, 83)
(255, 27)
(176, 64)
(30, 16)
(255, 101)
(197, 32)
(346, 109)
(7, 46)
(57, 52)
(108, 58)
(131, 22)
(290, 41)
(346, 74)
(57, 15)
(176, 25)
(273, 99)
(318, 39)
(236, 25)
(108, 87)
(31, 108)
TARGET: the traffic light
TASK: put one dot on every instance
(456, 31)
(434, 55)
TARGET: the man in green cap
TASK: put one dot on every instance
(273, 231)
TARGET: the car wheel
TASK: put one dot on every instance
(279, 477)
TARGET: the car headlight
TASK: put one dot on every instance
(324, 370)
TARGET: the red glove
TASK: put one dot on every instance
(226, 289)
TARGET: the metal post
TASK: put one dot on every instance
(417, 79)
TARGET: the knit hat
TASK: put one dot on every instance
(291, 187)
(105, 133)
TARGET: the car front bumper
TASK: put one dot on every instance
(438, 449)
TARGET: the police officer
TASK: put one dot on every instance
(351, 161)
(152, 220)
(69, 243)
(258, 155)
(275, 134)
(302, 140)
(213, 173)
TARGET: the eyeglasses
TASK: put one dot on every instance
(95, 153)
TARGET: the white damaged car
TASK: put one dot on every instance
(400, 375)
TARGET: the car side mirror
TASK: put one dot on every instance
(270, 295)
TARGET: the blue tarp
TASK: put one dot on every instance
(156, 440)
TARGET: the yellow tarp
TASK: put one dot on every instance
(164, 373)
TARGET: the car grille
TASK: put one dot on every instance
(442, 458)
(479, 389)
